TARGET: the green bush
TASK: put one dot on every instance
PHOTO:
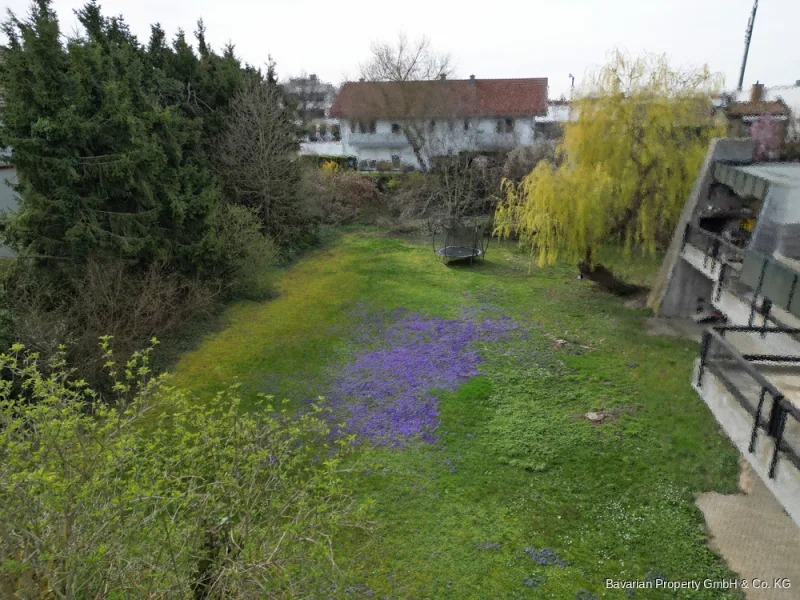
(143, 495)
(384, 165)
(384, 180)
(248, 256)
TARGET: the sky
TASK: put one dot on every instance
(497, 39)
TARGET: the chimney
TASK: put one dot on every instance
(361, 79)
(797, 83)
(443, 76)
(472, 79)
(757, 92)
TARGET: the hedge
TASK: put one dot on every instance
(317, 160)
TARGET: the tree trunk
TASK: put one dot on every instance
(605, 278)
(416, 147)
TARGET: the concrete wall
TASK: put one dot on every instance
(737, 424)
(665, 297)
(683, 300)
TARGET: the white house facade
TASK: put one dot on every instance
(379, 120)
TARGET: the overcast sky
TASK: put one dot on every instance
(500, 38)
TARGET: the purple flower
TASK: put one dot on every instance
(385, 394)
(487, 545)
(545, 557)
(533, 582)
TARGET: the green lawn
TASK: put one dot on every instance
(517, 465)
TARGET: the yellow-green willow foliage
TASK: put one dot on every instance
(630, 154)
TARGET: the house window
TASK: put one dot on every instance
(505, 126)
(396, 129)
(395, 161)
(432, 125)
(367, 126)
(466, 124)
(451, 125)
(352, 126)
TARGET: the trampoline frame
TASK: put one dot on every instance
(451, 251)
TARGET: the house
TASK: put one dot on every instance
(735, 258)
(406, 124)
(551, 126)
(741, 112)
(314, 99)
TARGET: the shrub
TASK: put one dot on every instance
(523, 160)
(346, 197)
(106, 296)
(222, 502)
(384, 180)
(384, 165)
(415, 197)
(248, 256)
(329, 167)
(317, 160)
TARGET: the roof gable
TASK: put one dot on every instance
(442, 98)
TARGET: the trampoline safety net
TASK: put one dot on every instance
(460, 243)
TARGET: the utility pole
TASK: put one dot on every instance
(748, 34)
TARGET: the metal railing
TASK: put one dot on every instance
(715, 247)
(751, 388)
(733, 261)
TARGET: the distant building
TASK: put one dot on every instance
(742, 110)
(551, 126)
(9, 201)
(314, 99)
(379, 120)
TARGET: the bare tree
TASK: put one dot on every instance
(257, 161)
(406, 65)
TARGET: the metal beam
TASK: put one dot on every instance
(747, 36)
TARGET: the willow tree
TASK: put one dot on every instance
(638, 133)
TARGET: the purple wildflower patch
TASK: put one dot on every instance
(533, 582)
(386, 393)
(545, 557)
(487, 545)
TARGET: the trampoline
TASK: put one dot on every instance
(460, 243)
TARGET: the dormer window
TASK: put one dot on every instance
(396, 129)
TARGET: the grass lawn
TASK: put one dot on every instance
(521, 496)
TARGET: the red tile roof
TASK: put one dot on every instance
(773, 107)
(442, 98)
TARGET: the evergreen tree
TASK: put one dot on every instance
(105, 166)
